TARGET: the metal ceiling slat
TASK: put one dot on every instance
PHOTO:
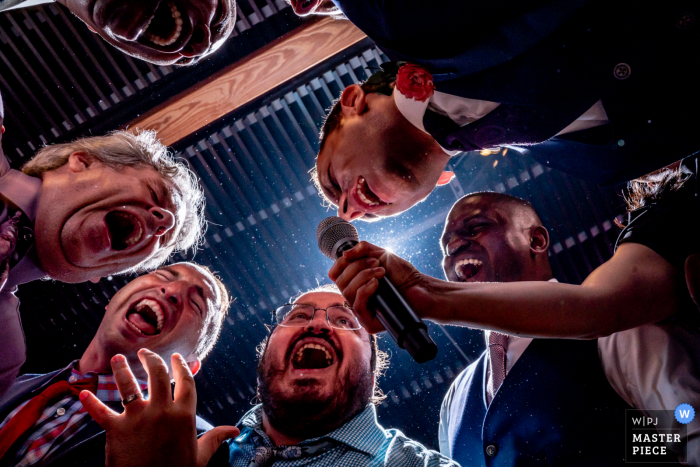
(66, 71)
(86, 74)
(43, 64)
(26, 88)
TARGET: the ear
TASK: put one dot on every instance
(539, 240)
(445, 178)
(80, 162)
(352, 101)
(194, 363)
(95, 280)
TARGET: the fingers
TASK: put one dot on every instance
(211, 440)
(359, 251)
(363, 249)
(159, 390)
(126, 382)
(353, 269)
(185, 390)
(362, 277)
(102, 414)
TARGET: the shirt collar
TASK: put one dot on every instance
(24, 191)
(107, 390)
(363, 433)
(413, 111)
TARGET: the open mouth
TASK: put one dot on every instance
(165, 26)
(366, 195)
(147, 317)
(312, 356)
(467, 268)
(124, 229)
(303, 6)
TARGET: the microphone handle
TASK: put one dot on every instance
(404, 326)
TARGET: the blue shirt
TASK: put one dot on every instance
(360, 442)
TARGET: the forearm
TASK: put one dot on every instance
(546, 309)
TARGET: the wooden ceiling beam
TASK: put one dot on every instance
(250, 78)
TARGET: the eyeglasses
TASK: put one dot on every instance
(297, 316)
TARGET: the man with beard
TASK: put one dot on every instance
(176, 309)
(87, 209)
(316, 381)
(157, 31)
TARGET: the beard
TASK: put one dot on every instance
(306, 411)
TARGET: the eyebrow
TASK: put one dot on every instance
(198, 288)
(309, 304)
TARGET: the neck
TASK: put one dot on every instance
(277, 437)
(95, 360)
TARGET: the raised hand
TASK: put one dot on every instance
(160, 431)
(357, 272)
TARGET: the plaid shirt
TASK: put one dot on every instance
(62, 419)
(360, 442)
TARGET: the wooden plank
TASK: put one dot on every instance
(250, 78)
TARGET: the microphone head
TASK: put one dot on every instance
(333, 232)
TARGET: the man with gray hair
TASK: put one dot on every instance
(85, 210)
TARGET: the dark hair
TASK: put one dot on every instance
(332, 122)
(503, 198)
(378, 360)
(642, 192)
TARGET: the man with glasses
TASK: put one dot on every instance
(317, 375)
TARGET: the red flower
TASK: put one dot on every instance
(415, 82)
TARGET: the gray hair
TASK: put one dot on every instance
(120, 149)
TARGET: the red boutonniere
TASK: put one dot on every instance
(415, 82)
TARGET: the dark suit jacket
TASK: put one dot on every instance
(549, 54)
(85, 448)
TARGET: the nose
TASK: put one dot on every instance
(163, 220)
(172, 292)
(199, 42)
(319, 324)
(455, 244)
(345, 209)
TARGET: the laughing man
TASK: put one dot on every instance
(176, 309)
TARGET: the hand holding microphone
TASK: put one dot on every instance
(378, 302)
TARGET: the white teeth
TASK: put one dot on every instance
(361, 185)
(135, 238)
(458, 265)
(300, 352)
(155, 307)
(177, 16)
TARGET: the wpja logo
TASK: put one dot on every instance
(657, 436)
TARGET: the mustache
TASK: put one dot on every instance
(304, 335)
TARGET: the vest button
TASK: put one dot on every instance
(491, 450)
(622, 71)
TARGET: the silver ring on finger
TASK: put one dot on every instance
(132, 398)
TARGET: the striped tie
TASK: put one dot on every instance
(498, 345)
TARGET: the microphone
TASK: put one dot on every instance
(334, 236)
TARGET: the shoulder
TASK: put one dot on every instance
(403, 451)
